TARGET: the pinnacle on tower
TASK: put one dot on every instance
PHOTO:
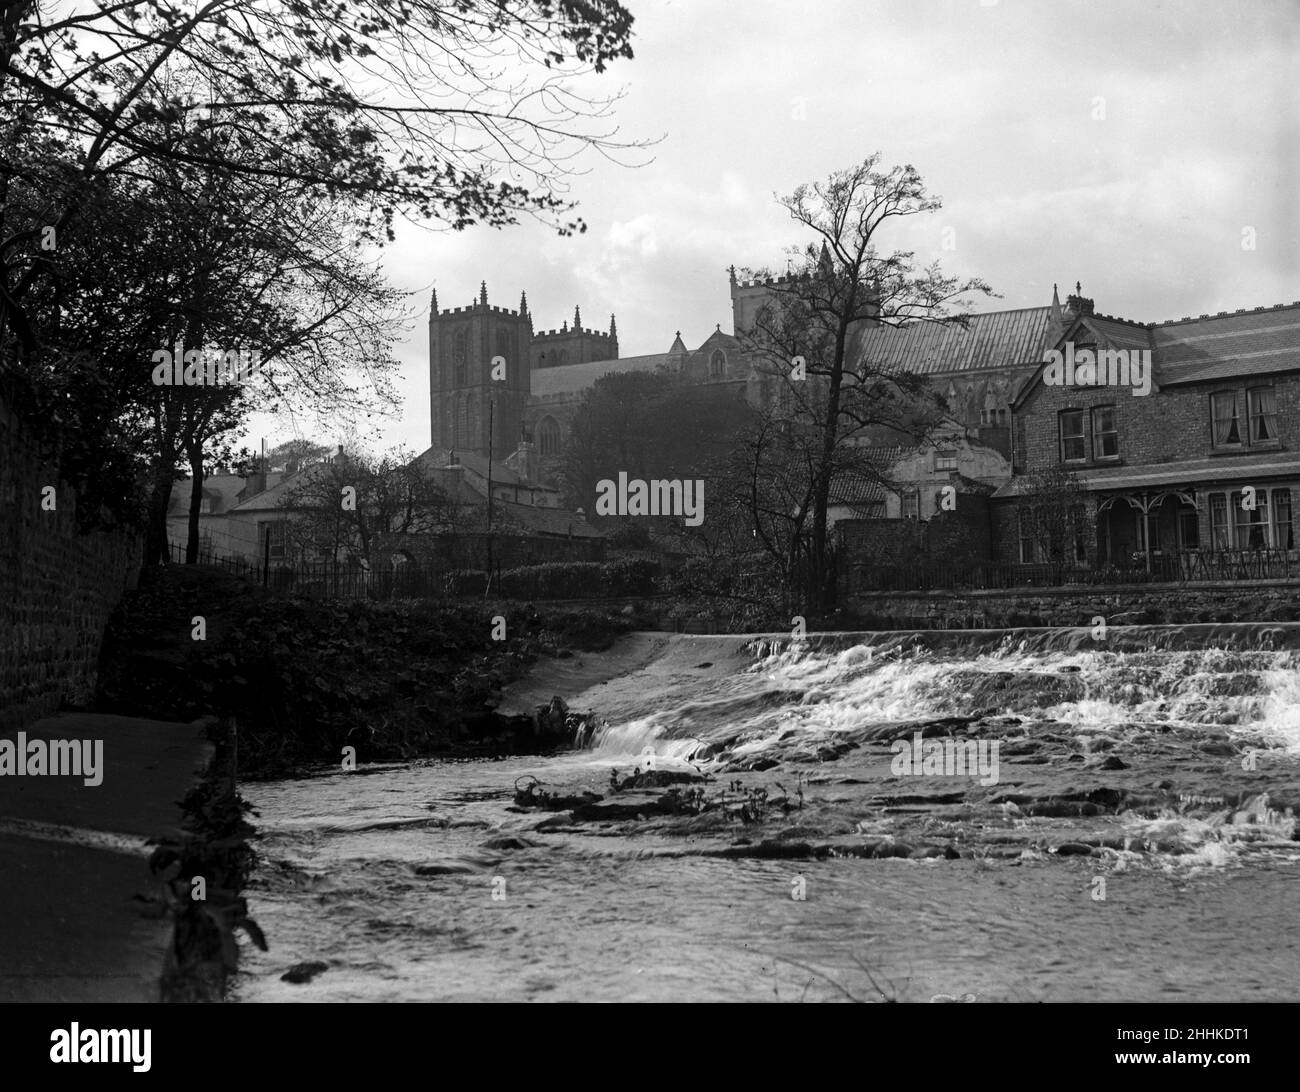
(523, 303)
(613, 328)
(824, 259)
(433, 302)
(482, 293)
(577, 318)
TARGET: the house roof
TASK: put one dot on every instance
(856, 489)
(1263, 341)
(276, 497)
(1118, 333)
(544, 521)
(223, 489)
(995, 339)
(437, 458)
(1188, 472)
(572, 378)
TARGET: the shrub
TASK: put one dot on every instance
(465, 582)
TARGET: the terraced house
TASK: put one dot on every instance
(1197, 478)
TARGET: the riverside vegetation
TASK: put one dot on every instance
(302, 679)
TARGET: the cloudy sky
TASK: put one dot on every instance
(1137, 148)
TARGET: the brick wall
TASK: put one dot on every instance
(57, 587)
(1165, 426)
(960, 536)
(880, 541)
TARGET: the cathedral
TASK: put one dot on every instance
(523, 415)
(546, 373)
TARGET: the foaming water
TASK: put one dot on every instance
(425, 882)
(810, 687)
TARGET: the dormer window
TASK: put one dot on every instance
(717, 364)
(945, 460)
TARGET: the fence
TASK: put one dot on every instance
(1184, 567)
(334, 579)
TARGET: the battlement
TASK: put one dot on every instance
(573, 331)
(475, 307)
(787, 279)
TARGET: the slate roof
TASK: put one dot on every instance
(221, 489)
(1259, 342)
(995, 339)
(572, 378)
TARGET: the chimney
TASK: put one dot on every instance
(1076, 304)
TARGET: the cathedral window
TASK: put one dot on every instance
(717, 364)
(548, 436)
(459, 355)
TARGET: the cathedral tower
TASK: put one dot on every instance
(463, 341)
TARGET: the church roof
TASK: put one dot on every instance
(995, 339)
(569, 378)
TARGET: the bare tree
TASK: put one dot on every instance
(1053, 512)
(343, 508)
(805, 338)
(462, 113)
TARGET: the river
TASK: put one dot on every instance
(1130, 835)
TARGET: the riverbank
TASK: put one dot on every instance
(82, 912)
(323, 682)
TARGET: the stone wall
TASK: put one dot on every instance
(1127, 604)
(57, 586)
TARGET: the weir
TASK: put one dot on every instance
(719, 697)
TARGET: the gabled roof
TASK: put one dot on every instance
(221, 489)
(572, 378)
(1264, 341)
(996, 339)
(277, 496)
(1116, 333)
(719, 340)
